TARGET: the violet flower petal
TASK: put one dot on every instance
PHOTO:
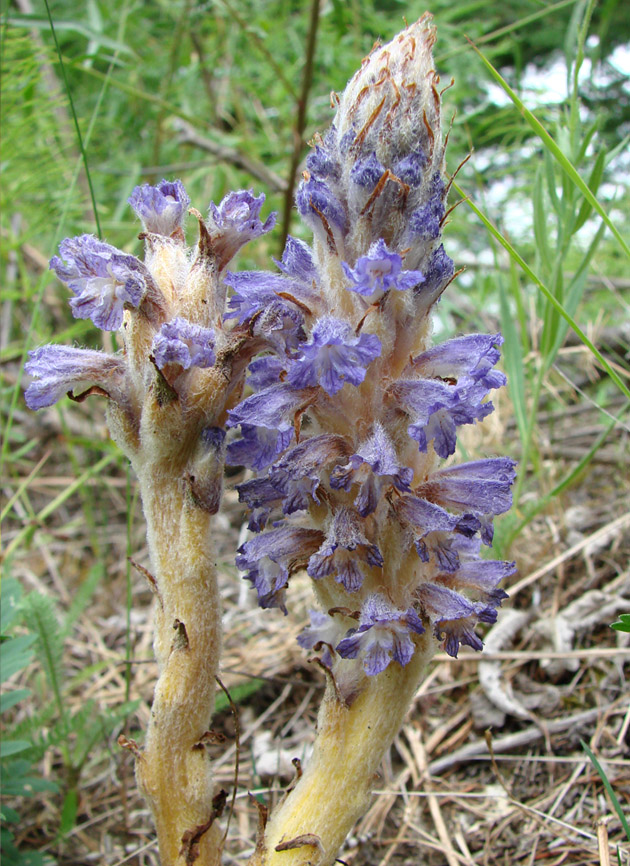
(161, 208)
(60, 369)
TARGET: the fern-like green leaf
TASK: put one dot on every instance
(41, 618)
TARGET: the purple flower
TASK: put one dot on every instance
(261, 496)
(265, 298)
(322, 162)
(438, 272)
(346, 552)
(293, 481)
(375, 468)
(297, 261)
(321, 209)
(471, 357)
(259, 446)
(267, 421)
(424, 517)
(410, 169)
(367, 172)
(270, 558)
(264, 372)
(274, 407)
(161, 208)
(378, 272)
(433, 407)
(61, 369)
(383, 635)
(324, 630)
(447, 547)
(333, 356)
(252, 292)
(437, 408)
(298, 473)
(102, 278)
(181, 342)
(235, 222)
(479, 577)
(481, 486)
(425, 222)
(453, 616)
(281, 325)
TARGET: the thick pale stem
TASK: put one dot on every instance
(173, 770)
(311, 824)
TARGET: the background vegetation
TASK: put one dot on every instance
(210, 92)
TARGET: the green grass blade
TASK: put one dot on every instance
(546, 292)
(609, 788)
(27, 531)
(509, 28)
(541, 232)
(550, 144)
(33, 22)
(566, 482)
(512, 351)
(594, 181)
(575, 291)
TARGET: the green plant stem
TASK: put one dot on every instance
(300, 123)
(76, 122)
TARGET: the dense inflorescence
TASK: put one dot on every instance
(168, 311)
(352, 409)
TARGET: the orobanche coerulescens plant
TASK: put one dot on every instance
(349, 416)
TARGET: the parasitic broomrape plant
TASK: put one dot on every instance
(351, 412)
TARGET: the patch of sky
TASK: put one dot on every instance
(549, 85)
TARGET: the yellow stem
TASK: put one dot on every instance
(173, 770)
(311, 824)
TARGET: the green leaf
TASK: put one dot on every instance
(623, 623)
(10, 593)
(16, 781)
(15, 655)
(10, 815)
(10, 699)
(40, 616)
(12, 747)
(81, 597)
(69, 812)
